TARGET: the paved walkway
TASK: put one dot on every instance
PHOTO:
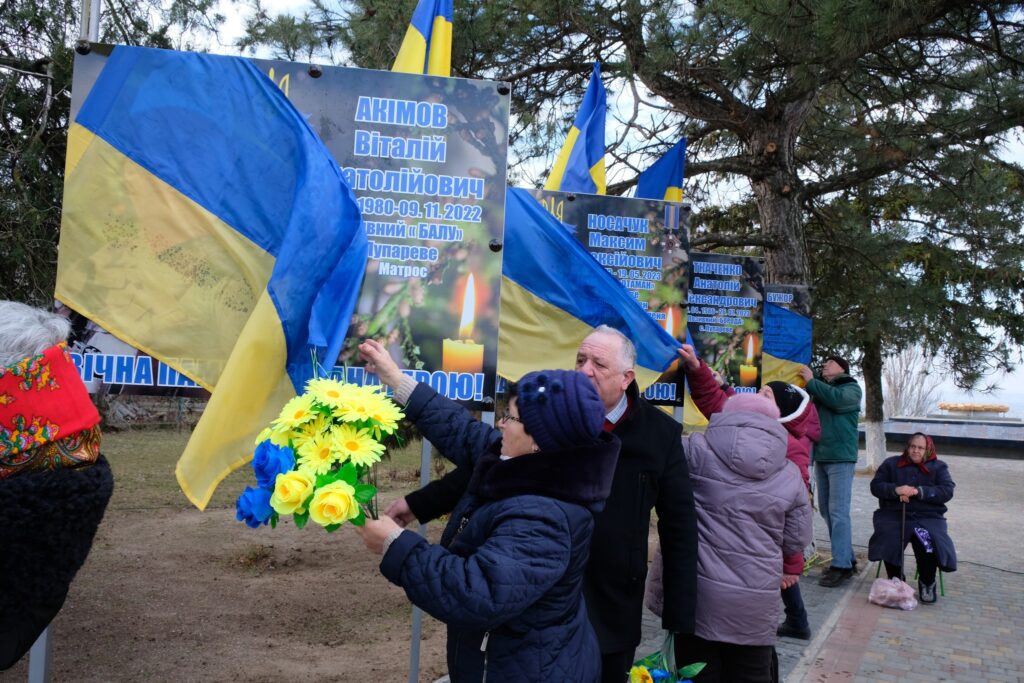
(971, 634)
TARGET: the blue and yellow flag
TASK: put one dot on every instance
(787, 338)
(580, 165)
(427, 46)
(553, 293)
(663, 180)
(206, 224)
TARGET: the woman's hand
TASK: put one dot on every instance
(400, 512)
(906, 492)
(806, 373)
(690, 361)
(375, 532)
(379, 361)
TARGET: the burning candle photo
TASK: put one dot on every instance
(748, 371)
(463, 354)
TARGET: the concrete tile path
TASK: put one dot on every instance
(973, 633)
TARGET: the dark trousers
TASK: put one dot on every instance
(927, 563)
(726, 662)
(615, 666)
(796, 614)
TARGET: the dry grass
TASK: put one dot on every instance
(143, 462)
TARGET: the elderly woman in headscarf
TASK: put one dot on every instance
(507, 576)
(54, 484)
(912, 490)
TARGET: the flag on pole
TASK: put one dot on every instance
(553, 293)
(206, 224)
(427, 46)
(664, 179)
(580, 165)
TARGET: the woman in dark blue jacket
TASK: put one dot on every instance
(507, 575)
(920, 481)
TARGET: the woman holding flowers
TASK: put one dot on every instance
(507, 575)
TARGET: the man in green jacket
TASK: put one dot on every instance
(837, 397)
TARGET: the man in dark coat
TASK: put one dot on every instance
(651, 474)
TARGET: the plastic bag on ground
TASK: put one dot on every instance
(892, 593)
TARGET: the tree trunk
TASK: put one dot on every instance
(874, 433)
(786, 258)
(776, 188)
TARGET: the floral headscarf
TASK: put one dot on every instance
(929, 453)
(47, 420)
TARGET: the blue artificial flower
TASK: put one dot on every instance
(270, 461)
(253, 507)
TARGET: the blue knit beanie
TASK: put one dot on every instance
(559, 408)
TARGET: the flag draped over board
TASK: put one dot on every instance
(206, 224)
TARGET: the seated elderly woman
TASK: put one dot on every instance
(507, 576)
(912, 491)
(54, 484)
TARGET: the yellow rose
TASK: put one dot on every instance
(639, 674)
(334, 503)
(290, 490)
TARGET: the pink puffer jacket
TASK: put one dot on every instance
(752, 508)
(802, 424)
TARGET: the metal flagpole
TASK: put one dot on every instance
(486, 417)
(89, 26)
(417, 614)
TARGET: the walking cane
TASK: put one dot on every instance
(903, 547)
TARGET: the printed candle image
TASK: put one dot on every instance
(462, 354)
(748, 371)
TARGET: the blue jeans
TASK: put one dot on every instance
(835, 487)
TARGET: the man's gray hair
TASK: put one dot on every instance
(27, 331)
(626, 349)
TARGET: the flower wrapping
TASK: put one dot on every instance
(313, 460)
(659, 667)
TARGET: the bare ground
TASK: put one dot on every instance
(173, 594)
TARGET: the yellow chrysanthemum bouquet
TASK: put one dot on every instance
(313, 461)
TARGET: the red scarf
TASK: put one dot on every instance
(47, 419)
(929, 455)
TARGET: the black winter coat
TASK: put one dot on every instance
(47, 523)
(652, 473)
(507, 576)
(926, 511)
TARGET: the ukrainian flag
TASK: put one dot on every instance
(787, 345)
(206, 224)
(427, 46)
(664, 179)
(553, 293)
(580, 165)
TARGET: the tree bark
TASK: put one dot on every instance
(776, 188)
(873, 403)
